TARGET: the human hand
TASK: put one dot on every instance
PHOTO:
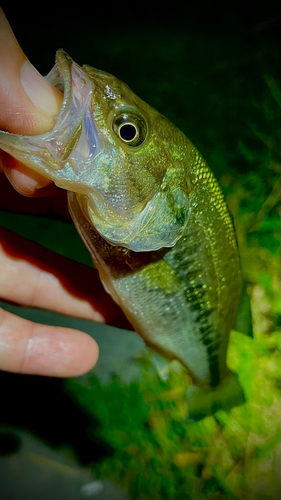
(28, 103)
(29, 274)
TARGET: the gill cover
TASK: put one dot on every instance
(78, 154)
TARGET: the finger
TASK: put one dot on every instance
(53, 202)
(31, 275)
(35, 277)
(31, 348)
(29, 104)
(24, 180)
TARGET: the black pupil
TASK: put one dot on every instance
(127, 132)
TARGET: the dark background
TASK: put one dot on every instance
(175, 56)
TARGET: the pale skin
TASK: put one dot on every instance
(30, 275)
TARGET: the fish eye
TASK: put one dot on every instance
(128, 132)
(130, 128)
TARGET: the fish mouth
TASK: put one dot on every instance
(75, 143)
(65, 153)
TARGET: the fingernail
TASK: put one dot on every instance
(42, 94)
(23, 183)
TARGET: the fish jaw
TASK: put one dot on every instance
(64, 153)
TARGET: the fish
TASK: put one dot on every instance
(154, 220)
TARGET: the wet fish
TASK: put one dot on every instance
(153, 218)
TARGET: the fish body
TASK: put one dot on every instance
(153, 218)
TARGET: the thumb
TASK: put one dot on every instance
(28, 103)
(28, 106)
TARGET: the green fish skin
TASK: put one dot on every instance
(153, 218)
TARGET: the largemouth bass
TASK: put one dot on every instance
(153, 218)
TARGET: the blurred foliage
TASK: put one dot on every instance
(157, 454)
(254, 200)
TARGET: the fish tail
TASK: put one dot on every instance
(203, 402)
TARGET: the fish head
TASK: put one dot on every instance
(122, 159)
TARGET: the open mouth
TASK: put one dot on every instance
(64, 153)
(74, 135)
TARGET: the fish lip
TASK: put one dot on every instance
(76, 107)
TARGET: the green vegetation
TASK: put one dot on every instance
(158, 455)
